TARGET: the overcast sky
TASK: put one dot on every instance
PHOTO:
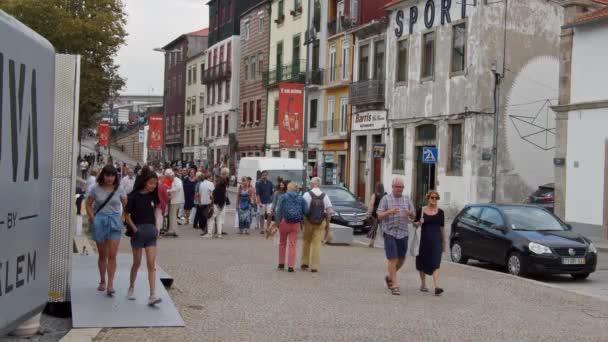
(151, 24)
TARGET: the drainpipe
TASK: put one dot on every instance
(306, 86)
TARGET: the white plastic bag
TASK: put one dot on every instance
(413, 242)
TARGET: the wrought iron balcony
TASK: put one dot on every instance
(366, 92)
(340, 25)
(219, 72)
(294, 72)
(335, 129)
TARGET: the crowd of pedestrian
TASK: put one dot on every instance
(153, 202)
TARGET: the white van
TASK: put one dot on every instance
(286, 168)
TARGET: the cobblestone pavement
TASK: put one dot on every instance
(229, 290)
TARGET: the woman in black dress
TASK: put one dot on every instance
(189, 184)
(432, 241)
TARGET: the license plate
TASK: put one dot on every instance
(573, 261)
(355, 223)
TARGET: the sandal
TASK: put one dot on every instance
(101, 287)
(424, 289)
(438, 291)
(389, 282)
(395, 291)
(110, 292)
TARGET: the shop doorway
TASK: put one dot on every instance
(342, 170)
(425, 174)
(361, 163)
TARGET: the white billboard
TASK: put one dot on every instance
(27, 90)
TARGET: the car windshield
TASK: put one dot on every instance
(337, 195)
(287, 175)
(535, 219)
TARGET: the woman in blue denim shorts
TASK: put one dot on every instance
(140, 217)
(105, 203)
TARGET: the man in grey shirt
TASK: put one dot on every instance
(394, 212)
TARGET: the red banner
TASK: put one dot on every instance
(291, 115)
(103, 133)
(155, 132)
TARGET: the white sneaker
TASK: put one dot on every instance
(153, 300)
(207, 236)
(131, 294)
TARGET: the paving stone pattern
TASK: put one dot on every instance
(229, 290)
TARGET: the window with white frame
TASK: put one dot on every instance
(200, 134)
(261, 24)
(253, 61)
(188, 107)
(455, 156)
(331, 115)
(194, 74)
(332, 63)
(343, 114)
(201, 103)
(247, 30)
(345, 70)
(246, 62)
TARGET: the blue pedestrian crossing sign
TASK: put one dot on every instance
(429, 155)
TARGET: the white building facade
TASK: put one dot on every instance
(194, 149)
(584, 131)
(450, 65)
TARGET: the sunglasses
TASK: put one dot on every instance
(434, 197)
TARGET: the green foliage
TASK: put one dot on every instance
(94, 29)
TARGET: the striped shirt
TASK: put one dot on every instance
(395, 225)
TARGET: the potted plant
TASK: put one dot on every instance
(299, 10)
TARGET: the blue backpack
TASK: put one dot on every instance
(292, 208)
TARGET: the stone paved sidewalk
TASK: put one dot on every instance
(229, 290)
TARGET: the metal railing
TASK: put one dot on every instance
(294, 72)
(340, 25)
(333, 129)
(366, 92)
(221, 71)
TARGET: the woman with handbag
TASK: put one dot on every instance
(141, 226)
(372, 210)
(105, 203)
(243, 199)
(432, 241)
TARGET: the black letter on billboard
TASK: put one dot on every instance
(445, 11)
(428, 22)
(31, 267)
(16, 103)
(399, 29)
(413, 18)
(19, 270)
(7, 288)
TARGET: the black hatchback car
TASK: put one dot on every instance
(525, 239)
(348, 210)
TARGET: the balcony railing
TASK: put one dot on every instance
(333, 129)
(337, 75)
(366, 92)
(294, 72)
(340, 25)
(219, 72)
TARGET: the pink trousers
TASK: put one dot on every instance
(290, 230)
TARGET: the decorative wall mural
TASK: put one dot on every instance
(529, 120)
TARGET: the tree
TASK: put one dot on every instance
(94, 29)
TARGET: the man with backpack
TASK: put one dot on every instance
(316, 224)
(291, 209)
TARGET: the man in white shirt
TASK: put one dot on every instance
(316, 225)
(128, 181)
(91, 180)
(84, 166)
(205, 190)
(176, 193)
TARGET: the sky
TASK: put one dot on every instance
(152, 24)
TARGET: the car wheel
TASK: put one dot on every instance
(515, 264)
(456, 253)
(580, 276)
